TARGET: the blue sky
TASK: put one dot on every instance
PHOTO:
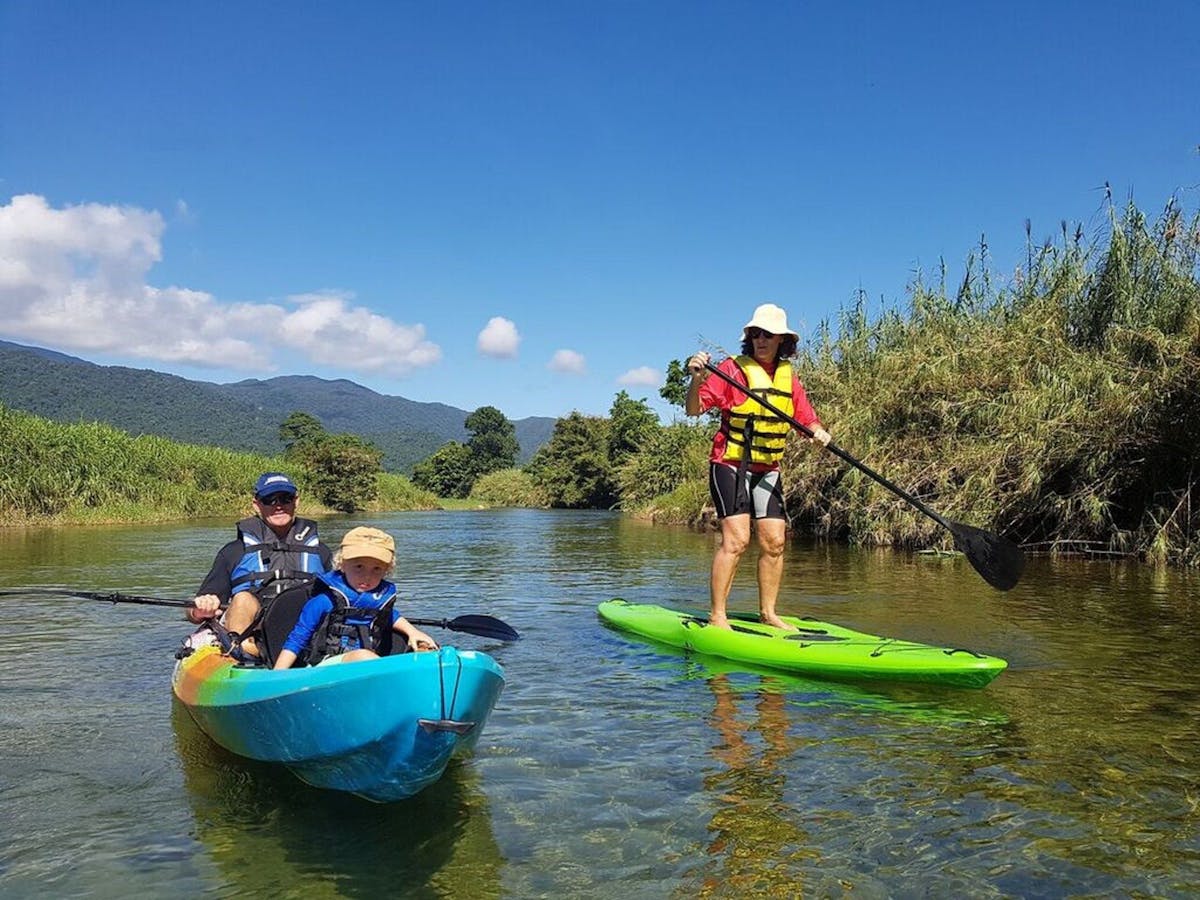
(536, 205)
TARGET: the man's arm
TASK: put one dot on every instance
(216, 587)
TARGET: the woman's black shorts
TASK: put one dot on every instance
(762, 499)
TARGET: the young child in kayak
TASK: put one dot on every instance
(327, 634)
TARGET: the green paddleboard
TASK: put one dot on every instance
(818, 649)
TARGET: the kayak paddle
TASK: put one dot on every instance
(483, 626)
(997, 559)
(111, 597)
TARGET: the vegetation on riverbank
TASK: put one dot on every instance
(1061, 408)
(51, 473)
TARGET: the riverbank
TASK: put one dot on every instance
(52, 473)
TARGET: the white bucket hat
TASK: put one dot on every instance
(772, 318)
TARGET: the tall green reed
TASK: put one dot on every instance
(1061, 408)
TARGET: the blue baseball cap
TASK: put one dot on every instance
(274, 483)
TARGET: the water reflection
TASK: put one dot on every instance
(779, 782)
(925, 703)
(756, 842)
(269, 834)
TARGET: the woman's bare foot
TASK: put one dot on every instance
(777, 622)
(719, 622)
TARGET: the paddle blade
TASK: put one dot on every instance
(484, 626)
(998, 560)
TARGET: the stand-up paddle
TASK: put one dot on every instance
(998, 560)
(483, 626)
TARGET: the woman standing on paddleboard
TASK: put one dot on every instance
(744, 476)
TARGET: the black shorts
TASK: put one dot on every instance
(762, 499)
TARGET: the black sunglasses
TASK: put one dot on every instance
(277, 500)
(755, 333)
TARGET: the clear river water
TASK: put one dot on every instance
(613, 767)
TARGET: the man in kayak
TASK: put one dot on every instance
(355, 607)
(744, 475)
(274, 551)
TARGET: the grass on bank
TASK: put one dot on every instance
(55, 473)
(1060, 408)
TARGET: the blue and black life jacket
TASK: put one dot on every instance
(272, 565)
(349, 625)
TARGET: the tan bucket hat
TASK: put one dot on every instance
(369, 542)
(772, 318)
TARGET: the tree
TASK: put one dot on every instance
(343, 468)
(300, 428)
(631, 424)
(671, 457)
(573, 467)
(493, 442)
(446, 472)
(344, 471)
(675, 388)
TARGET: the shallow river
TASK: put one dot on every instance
(612, 767)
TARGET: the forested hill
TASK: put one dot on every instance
(241, 416)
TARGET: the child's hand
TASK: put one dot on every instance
(419, 640)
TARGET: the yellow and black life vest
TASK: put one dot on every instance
(750, 424)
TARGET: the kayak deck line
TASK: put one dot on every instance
(813, 634)
(444, 724)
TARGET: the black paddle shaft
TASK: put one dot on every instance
(104, 596)
(998, 560)
(483, 626)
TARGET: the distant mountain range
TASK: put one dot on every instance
(242, 416)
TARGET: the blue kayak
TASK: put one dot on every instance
(382, 728)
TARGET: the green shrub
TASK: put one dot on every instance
(674, 455)
(508, 487)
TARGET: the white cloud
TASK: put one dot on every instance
(567, 361)
(327, 329)
(642, 375)
(499, 338)
(75, 278)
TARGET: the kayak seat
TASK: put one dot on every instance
(278, 619)
(390, 647)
